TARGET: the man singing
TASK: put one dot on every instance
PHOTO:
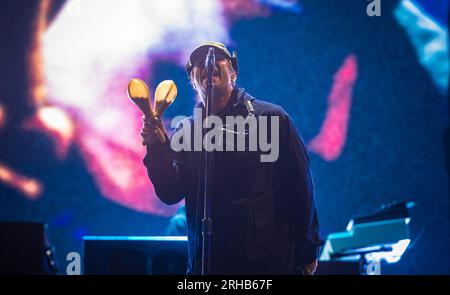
(264, 220)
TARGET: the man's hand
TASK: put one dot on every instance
(310, 269)
(149, 131)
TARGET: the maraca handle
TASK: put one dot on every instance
(157, 127)
(160, 134)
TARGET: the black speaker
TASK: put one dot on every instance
(25, 249)
(127, 255)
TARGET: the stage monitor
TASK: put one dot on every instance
(135, 255)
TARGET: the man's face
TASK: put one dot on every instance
(224, 77)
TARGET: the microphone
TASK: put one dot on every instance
(209, 65)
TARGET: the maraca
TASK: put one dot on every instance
(165, 94)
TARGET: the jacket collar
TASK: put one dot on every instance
(238, 96)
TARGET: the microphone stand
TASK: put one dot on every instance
(208, 160)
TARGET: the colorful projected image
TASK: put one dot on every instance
(86, 70)
(368, 95)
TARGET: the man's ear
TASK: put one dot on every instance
(234, 76)
(192, 81)
(233, 72)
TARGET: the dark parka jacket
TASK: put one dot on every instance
(264, 215)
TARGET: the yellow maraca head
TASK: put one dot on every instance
(139, 94)
(165, 94)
